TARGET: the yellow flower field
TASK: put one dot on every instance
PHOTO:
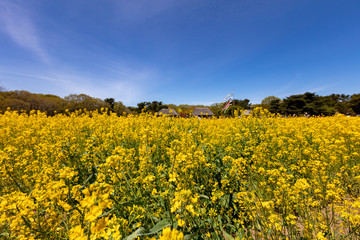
(94, 176)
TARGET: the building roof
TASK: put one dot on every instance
(202, 112)
(168, 111)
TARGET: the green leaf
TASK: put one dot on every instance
(159, 226)
(106, 213)
(138, 232)
(190, 236)
(203, 196)
(227, 236)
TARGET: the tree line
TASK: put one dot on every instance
(313, 104)
(309, 103)
(52, 104)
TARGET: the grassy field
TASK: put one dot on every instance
(95, 176)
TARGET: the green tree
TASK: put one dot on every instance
(244, 104)
(15, 104)
(216, 108)
(142, 106)
(232, 110)
(265, 103)
(50, 103)
(110, 102)
(300, 104)
(120, 109)
(276, 106)
(82, 101)
(329, 105)
(354, 103)
(153, 106)
(18, 100)
(23, 100)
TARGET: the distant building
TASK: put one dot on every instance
(202, 112)
(168, 111)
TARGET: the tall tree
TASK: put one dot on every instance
(299, 104)
(276, 106)
(110, 102)
(244, 104)
(120, 109)
(153, 106)
(354, 103)
(82, 101)
(265, 103)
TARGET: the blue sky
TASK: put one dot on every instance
(180, 51)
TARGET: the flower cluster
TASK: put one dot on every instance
(93, 175)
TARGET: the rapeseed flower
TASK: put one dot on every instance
(95, 175)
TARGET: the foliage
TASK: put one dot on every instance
(216, 108)
(111, 103)
(275, 106)
(244, 104)
(312, 104)
(152, 107)
(293, 105)
(355, 103)
(26, 101)
(93, 175)
(83, 101)
(51, 104)
(120, 109)
(266, 102)
(235, 109)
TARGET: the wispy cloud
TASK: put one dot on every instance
(316, 88)
(15, 21)
(321, 88)
(125, 83)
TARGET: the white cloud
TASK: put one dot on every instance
(15, 21)
(124, 83)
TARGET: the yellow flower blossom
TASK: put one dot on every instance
(77, 233)
(92, 174)
(171, 234)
